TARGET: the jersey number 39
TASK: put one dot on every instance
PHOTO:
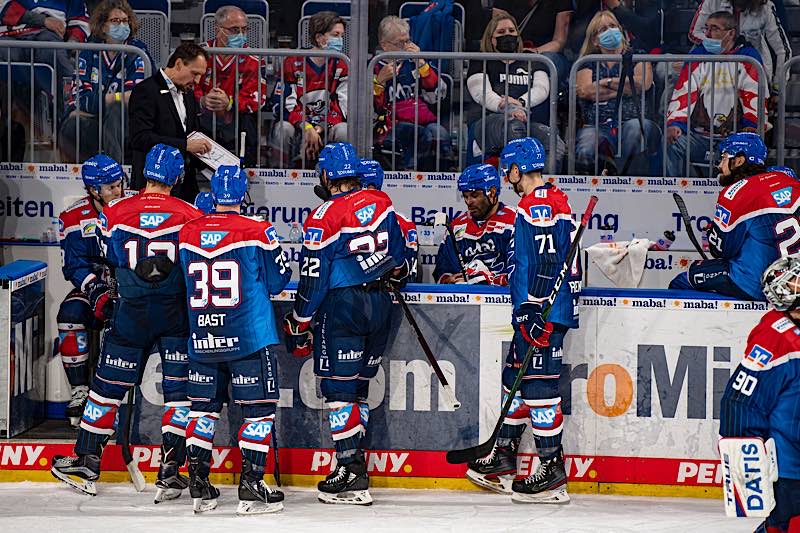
(217, 281)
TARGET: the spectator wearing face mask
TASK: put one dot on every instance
(227, 74)
(314, 95)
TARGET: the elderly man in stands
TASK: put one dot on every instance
(217, 90)
(405, 94)
(700, 113)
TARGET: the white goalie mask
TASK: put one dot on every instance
(781, 283)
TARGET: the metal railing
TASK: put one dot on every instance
(459, 120)
(684, 58)
(780, 127)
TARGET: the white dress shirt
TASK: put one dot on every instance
(177, 98)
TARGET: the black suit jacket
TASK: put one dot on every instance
(154, 119)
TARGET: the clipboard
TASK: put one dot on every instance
(217, 156)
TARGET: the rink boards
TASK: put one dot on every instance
(640, 395)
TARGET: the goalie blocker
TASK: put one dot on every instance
(749, 467)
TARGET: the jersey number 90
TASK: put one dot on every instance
(217, 282)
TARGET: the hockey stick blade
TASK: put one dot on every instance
(136, 475)
(467, 455)
(687, 223)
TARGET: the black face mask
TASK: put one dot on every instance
(507, 44)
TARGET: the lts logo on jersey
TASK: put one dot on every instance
(209, 239)
(152, 220)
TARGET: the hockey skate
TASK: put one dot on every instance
(79, 472)
(204, 494)
(170, 482)
(495, 471)
(255, 496)
(548, 484)
(77, 403)
(347, 484)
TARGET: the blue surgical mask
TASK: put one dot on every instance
(611, 39)
(119, 32)
(237, 40)
(335, 43)
(712, 46)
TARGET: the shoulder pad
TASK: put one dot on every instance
(774, 341)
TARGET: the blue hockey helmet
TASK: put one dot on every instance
(370, 172)
(750, 145)
(338, 160)
(228, 185)
(786, 170)
(204, 202)
(164, 164)
(101, 170)
(479, 177)
(527, 153)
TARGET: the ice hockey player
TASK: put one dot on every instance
(204, 202)
(541, 243)
(789, 171)
(758, 411)
(755, 222)
(370, 173)
(103, 178)
(483, 234)
(352, 245)
(141, 237)
(232, 264)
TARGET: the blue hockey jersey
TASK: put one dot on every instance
(352, 239)
(231, 264)
(541, 242)
(754, 223)
(79, 243)
(762, 398)
(71, 12)
(485, 240)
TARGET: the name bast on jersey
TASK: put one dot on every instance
(231, 264)
(755, 222)
(542, 237)
(352, 239)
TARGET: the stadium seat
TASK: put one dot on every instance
(257, 12)
(44, 93)
(310, 7)
(154, 19)
(304, 39)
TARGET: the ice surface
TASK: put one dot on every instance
(118, 508)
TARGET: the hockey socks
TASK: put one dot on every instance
(73, 345)
(199, 443)
(173, 432)
(348, 422)
(97, 424)
(547, 422)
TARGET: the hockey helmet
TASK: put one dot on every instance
(527, 153)
(785, 170)
(479, 177)
(204, 202)
(164, 164)
(781, 283)
(370, 172)
(338, 160)
(101, 170)
(228, 185)
(747, 144)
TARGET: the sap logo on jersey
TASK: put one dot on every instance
(258, 430)
(152, 220)
(94, 412)
(759, 356)
(782, 196)
(541, 213)
(209, 239)
(366, 214)
(722, 216)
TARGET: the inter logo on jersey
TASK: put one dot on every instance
(209, 239)
(312, 236)
(722, 216)
(271, 234)
(782, 196)
(366, 214)
(541, 213)
(759, 356)
(152, 220)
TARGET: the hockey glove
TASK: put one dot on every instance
(530, 324)
(299, 339)
(479, 273)
(100, 300)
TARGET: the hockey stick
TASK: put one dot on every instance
(687, 223)
(440, 219)
(276, 470)
(448, 390)
(482, 450)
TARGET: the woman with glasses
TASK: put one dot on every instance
(103, 86)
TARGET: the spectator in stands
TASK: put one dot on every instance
(603, 136)
(44, 20)
(513, 93)
(163, 110)
(313, 94)
(543, 26)
(220, 89)
(107, 76)
(758, 23)
(714, 112)
(404, 114)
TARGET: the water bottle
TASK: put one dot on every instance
(295, 233)
(51, 233)
(665, 242)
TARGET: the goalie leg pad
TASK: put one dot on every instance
(748, 475)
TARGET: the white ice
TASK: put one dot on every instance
(118, 508)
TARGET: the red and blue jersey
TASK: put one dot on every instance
(762, 398)
(352, 239)
(79, 243)
(231, 264)
(144, 225)
(542, 238)
(71, 12)
(755, 222)
(409, 230)
(485, 240)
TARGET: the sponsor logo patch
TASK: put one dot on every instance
(759, 356)
(541, 213)
(152, 220)
(782, 197)
(722, 216)
(209, 239)
(366, 214)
